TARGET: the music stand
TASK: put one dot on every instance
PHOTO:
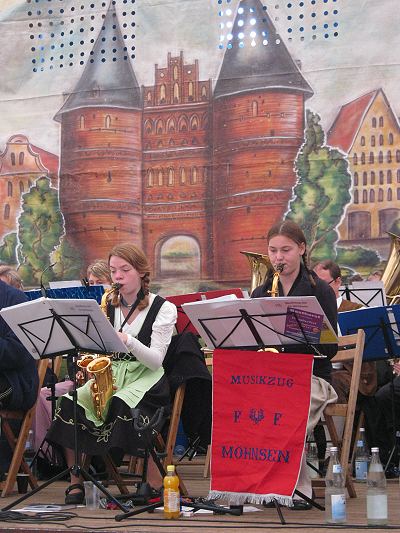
(367, 293)
(77, 326)
(382, 341)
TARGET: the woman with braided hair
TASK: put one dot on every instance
(287, 246)
(145, 323)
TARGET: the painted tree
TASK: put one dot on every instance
(40, 227)
(8, 249)
(68, 262)
(322, 191)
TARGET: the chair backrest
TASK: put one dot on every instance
(350, 349)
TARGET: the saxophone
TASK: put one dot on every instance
(100, 366)
(274, 292)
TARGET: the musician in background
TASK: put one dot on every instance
(98, 273)
(145, 323)
(11, 277)
(18, 374)
(382, 420)
(287, 247)
(341, 376)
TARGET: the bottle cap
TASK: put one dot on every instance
(374, 449)
(333, 448)
(171, 468)
(362, 429)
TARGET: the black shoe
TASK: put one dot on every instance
(76, 498)
(300, 505)
(392, 472)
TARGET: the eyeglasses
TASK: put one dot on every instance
(332, 281)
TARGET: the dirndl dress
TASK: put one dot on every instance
(137, 386)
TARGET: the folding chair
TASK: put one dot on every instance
(351, 348)
(18, 442)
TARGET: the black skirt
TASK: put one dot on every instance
(116, 432)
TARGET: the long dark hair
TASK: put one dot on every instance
(292, 231)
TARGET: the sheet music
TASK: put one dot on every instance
(34, 324)
(367, 293)
(276, 320)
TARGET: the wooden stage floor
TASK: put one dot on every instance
(80, 519)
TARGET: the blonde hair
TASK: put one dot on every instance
(135, 257)
(100, 269)
(11, 276)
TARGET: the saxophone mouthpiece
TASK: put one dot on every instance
(279, 267)
(116, 286)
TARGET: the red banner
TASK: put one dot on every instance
(261, 402)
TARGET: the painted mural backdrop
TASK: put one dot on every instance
(190, 127)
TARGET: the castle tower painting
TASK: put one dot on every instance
(258, 128)
(101, 150)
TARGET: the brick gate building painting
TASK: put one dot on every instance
(190, 174)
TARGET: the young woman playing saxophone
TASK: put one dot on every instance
(145, 323)
(287, 248)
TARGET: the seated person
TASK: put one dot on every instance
(98, 273)
(11, 277)
(382, 419)
(18, 374)
(341, 377)
(287, 247)
(145, 323)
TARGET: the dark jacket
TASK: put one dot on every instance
(16, 363)
(327, 300)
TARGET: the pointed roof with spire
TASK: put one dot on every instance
(256, 57)
(108, 78)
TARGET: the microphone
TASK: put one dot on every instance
(42, 287)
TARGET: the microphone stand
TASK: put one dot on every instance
(42, 287)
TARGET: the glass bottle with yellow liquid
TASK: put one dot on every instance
(171, 494)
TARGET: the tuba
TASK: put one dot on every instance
(100, 366)
(391, 274)
(260, 266)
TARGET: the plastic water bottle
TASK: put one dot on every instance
(172, 505)
(335, 492)
(361, 457)
(312, 459)
(377, 505)
(29, 453)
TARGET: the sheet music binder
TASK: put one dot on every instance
(183, 322)
(382, 330)
(35, 324)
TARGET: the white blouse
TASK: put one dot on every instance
(151, 356)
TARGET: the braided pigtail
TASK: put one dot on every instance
(143, 293)
(305, 263)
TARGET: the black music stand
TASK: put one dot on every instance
(367, 293)
(81, 328)
(249, 327)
